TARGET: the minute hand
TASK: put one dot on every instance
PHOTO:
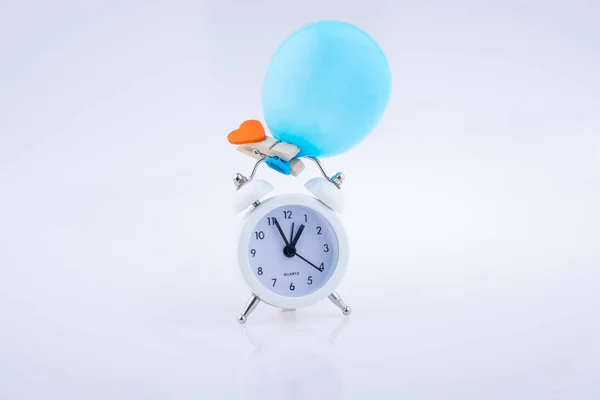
(304, 259)
(281, 232)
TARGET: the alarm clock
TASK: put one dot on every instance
(292, 249)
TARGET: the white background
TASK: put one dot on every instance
(472, 209)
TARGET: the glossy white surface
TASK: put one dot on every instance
(475, 267)
(250, 192)
(326, 192)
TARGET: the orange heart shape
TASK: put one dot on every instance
(250, 131)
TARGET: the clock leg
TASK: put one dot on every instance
(250, 306)
(337, 300)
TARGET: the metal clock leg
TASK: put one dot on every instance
(337, 300)
(250, 306)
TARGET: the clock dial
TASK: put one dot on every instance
(293, 250)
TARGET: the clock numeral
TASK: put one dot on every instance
(318, 230)
(260, 235)
(292, 287)
(253, 252)
(274, 281)
(260, 271)
(305, 218)
(287, 214)
(326, 246)
(269, 220)
(322, 267)
(310, 280)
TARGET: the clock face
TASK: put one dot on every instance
(293, 250)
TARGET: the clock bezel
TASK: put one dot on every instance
(259, 212)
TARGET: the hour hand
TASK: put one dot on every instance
(281, 231)
(295, 240)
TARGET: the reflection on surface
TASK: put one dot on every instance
(294, 359)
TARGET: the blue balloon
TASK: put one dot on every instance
(326, 88)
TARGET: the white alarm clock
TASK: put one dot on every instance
(292, 248)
